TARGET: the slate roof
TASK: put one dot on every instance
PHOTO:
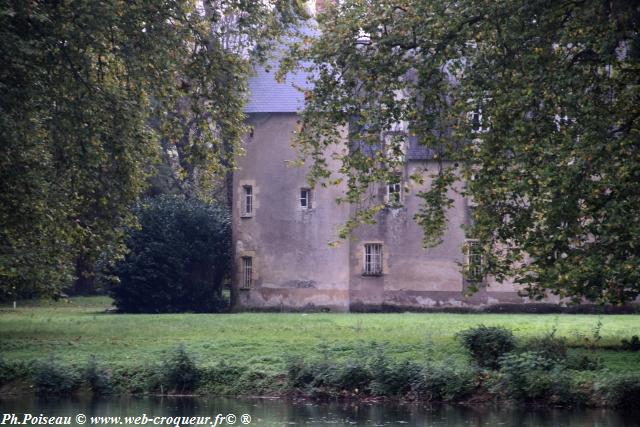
(416, 151)
(269, 96)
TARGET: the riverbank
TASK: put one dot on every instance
(312, 355)
(282, 412)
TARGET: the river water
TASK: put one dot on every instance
(276, 412)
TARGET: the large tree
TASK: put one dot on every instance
(93, 93)
(533, 103)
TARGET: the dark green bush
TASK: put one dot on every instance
(136, 379)
(11, 371)
(98, 379)
(353, 375)
(443, 383)
(223, 379)
(531, 377)
(298, 372)
(631, 345)
(584, 362)
(622, 391)
(178, 258)
(391, 378)
(51, 377)
(549, 346)
(486, 344)
(311, 374)
(179, 372)
(379, 376)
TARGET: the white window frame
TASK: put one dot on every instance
(394, 191)
(475, 116)
(247, 200)
(305, 198)
(562, 120)
(474, 260)
(247, 272)
(373, 259)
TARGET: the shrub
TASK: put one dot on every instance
(51, 377)
(223, 379)
(622, 391)
(531, 377)
(353, 375)
(584, 362)
(486, 344)
(179, 372)
(443, 383)
(136, 379)
(549, 347)
(392, 378)
(10, 371)
(177, 259)
(314, 374)
(632, 345)
(98, 379)
(298, 372)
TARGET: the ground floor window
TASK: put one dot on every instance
(372, 259)
(474, 261)
(247, 272)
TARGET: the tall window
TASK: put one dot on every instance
(476, 119)
(247, 206)
(372, 259)
(394, 194)
(474, 261)
(305, 198)
(247, 272)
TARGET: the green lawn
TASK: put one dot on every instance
(75, 329)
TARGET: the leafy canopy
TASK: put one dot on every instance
(93, 93)
(551, 155)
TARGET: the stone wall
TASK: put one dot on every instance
(295, 268)
(293, 265)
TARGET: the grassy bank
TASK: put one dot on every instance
(255, 349)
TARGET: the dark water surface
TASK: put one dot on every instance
(267, 412)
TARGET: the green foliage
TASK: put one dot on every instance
(353, 375)
(179, 372)
(584, 362)
(136, 379)
(631, 345)
(177, 260)
(94, 94)
(379, 375)
(553, 163)
(51, 377)
(10, 371)
(310, 375)
(530, 376)
(444, 383)
(487, 344)
(392, 378)
(77, 328)
(98, 378)
(622, 391)
(549, 346)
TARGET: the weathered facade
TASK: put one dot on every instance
(282, 230)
